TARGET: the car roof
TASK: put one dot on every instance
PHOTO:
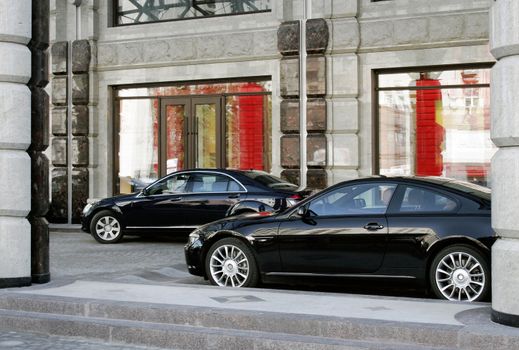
(444, 182)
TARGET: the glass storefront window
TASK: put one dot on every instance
(249, 132)
(138, 144)
(439, 125)
(162, 129)
(142, 11)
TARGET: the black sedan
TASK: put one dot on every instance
(184, 200)
(435, 232)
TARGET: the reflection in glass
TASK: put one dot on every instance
(205, 116)
(138, 140)
(175, 118)
(248, 124)
(437, 131)
(138, 11)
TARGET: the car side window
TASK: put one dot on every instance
(202, 183)
(370, 198)
(170, 185)
(418, 199)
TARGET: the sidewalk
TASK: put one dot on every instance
(205, 317)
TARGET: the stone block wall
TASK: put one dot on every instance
(15, 138)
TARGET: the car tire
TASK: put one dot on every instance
(230, 263)
(106, 227)
(460, 273)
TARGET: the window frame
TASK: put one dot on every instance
(223, 100)
(115, 16)
(375, 116)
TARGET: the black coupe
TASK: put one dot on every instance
(184, 200)
(433, 231)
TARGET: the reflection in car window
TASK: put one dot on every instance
(356, 199)
(269, 180)
(418, 199)
(213, 183)
(172, 184)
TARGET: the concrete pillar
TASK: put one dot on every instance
(15, 138)
(504, 43)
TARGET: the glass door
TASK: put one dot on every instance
(190, 133)
(207, 132)
(174, 129)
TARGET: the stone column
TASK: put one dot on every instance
(288, 45)
(504, 42)
(15, 138)
(39, 142)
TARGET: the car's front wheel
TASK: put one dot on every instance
(460, 273)
(106, 227)
(230, 263)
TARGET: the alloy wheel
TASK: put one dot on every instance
(229, 266)
(108, 228)
(460, 276)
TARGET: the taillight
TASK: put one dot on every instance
(296, 196)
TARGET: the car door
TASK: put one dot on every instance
(210, 194)
(161, 205)
(343, 231)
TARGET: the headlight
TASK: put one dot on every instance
(87, 208)
(193, 237)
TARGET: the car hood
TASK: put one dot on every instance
(119, 198)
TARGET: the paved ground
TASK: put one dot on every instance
(151, 270)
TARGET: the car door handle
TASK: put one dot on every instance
(175, 199)
(233, 196)
(373, 226)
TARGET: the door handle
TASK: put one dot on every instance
(175, 199)
(373, 226)
(233, 196)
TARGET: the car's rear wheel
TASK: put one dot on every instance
(230, 263)
(106, 227)
(460, 273)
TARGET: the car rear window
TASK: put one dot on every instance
(270, 181)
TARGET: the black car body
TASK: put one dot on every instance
(184, 200)
(349, 231)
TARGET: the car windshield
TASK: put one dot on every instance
(467, 187)
(270, 180)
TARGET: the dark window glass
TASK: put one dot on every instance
(141, 11)
(351, 200)
(170, 185)
(213, 183)
(422, 200)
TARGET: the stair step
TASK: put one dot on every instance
(166, 335)
(236, 320)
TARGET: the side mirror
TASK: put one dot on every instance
(302, 211)
(144, 192)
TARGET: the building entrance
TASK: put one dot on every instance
(159, 130)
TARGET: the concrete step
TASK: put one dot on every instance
(174, 336)
(189, 327)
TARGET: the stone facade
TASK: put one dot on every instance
(346, 41)
(15, 139)
(504, 42)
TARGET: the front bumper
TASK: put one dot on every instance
(193, 255)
